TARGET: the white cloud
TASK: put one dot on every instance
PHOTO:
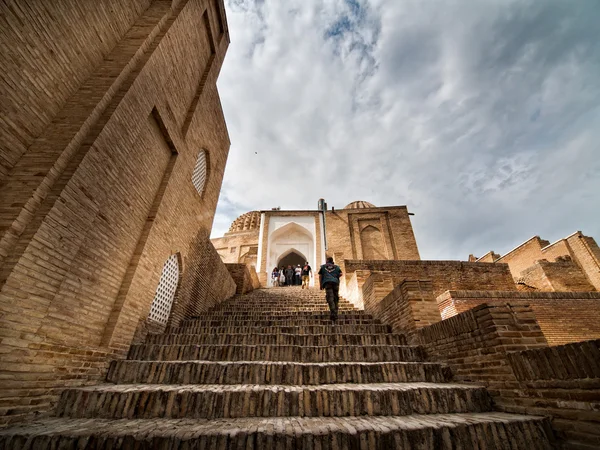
(482, 117)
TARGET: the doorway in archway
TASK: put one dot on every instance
(291, 259)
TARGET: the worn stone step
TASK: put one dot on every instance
(242, 312)
(289, 329)
(265, 316)
(484, 431)
(274, 372)
(372, 353)
(215, 401)
(276, 339)
(292, 321)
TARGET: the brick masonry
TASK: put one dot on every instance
(563, 317)
(582, 250)
(443, 275)
(374, 392)
(116, 100)
(503, 347)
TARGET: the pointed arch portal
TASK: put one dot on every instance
(292, 242)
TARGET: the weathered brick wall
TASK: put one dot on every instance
(102, 195)
(523, 256)
(563, 317)
(564, 382)
(586, 253)
(498, 329)
(444, 275)
(395, 240)
(45, 65)
(409, 306)
(240, 273)
(206, 281)
(560, 276)
(233, 246)
(581, 249)
(503, 347)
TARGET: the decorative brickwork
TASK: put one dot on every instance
(563, 317)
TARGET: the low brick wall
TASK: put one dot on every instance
(562, 381)
(563, 317)
(444, 275)
(503, 347)
(242, 277)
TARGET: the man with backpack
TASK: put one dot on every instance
(329, 277)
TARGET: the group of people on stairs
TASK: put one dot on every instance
(291, 276)
(329, 279)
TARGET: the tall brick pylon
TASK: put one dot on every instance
(268, 370)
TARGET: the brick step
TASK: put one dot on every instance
(273, 372)
(278, 329)
(276, 339)
(321, 309)
(267, 317)
(209, 323)
(490, 430)
(148, 401)
(366, 353)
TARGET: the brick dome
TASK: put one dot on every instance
(359, 204)
(246, 222)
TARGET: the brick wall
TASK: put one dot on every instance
(444, 275)
(581, 249)
(99, 193)
(240, 273)
(409, 306)
(233, 246)
(563, 382)
(46, 65)
(502, 347)
(563, 317)
(388, 233)
(560, 276)
(586, 253)
(206, 282)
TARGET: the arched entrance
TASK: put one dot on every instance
(293, 258)
(291, 243)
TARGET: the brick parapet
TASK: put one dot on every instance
(241, 275)
(576, 321)
(444, 275)
(503, 347)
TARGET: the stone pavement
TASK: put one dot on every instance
(269, 370)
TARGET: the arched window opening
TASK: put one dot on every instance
(165, 292)
(200, 173)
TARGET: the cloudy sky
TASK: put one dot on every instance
(483, 117)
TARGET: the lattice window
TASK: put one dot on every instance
(200, 173)
(165, 292)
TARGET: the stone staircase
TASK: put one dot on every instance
(268, 370)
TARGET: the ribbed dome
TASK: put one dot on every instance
(359, 205)
(246, 222)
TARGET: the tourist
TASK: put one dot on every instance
(275, 277)
(329, 279)
(289, 276)
(306, 272)
(281, 277)
(298, 275)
